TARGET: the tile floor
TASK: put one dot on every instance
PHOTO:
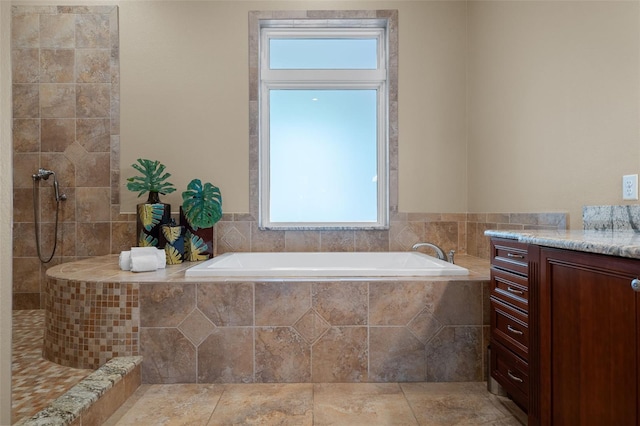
(37, 382)
(317, 404)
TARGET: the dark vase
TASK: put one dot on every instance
(198, 243)
(172, 239)
(149, 219)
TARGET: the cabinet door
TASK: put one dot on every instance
(589, 333)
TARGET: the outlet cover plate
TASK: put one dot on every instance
(630, 187)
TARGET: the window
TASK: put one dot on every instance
(323, 135)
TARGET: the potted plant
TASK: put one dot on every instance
(201, 209)
(152, 214)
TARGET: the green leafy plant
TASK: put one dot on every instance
(152, 179)
(202, 204)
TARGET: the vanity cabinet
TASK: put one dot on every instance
(565, 334)
(589, 325)
(510, 331)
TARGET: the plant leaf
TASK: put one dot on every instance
(202, 204)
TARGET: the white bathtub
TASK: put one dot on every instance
(308, 265)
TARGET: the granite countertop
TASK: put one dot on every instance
(613, 243)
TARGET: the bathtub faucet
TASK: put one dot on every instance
(438, 250)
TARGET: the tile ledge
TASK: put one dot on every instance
(68, 407)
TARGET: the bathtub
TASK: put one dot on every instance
(322, 264)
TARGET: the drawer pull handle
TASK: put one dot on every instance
(514, 377)
(515, 256)
(514, 290)
(514, 330)
(635, 284)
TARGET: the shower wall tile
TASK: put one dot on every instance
(90, 204)
(57, 30)
(25, 30)
(57, 65)
(26, 275)
(93, 100)
(26, 135)
(26, 101)
(93, 30)
(57, 100)
(66, 77)
(93, 134)
(93, 170)
(25, 65)
(57, 134)
(93, 66)
(93, 239)
(22, 205)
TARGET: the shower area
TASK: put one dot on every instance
(65, 68)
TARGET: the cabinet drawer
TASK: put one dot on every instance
(510, 288)
(511, 372)
(510, 255)
(510, 327)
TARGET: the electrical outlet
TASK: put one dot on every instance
(630, 187)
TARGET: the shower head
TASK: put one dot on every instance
(43, 174)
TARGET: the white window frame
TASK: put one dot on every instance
(327, 79)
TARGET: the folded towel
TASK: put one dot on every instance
(144, 262)
(141, 259)
(125, 260)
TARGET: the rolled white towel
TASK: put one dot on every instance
(162, 258)
(125, 260)
(145, 251)
(144, 262)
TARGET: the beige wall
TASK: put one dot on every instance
(504, 106)
(553, 104)
(184, 96)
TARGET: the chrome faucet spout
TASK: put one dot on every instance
(438, 250)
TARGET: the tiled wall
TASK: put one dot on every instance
(66, 113)
(66, 118)
(289, 332)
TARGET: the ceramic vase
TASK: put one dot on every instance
(172, 237)
(150, 217)
(198, 242)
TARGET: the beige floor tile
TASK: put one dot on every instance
(265, 404)
(361, 404)
(180, 404)
(444, 404)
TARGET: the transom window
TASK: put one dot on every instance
(323, 137)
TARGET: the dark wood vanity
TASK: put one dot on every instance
(565, 332)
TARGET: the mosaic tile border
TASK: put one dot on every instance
(88, 323)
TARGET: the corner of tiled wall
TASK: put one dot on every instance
(66, 109)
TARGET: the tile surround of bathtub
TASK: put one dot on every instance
(285, 332)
